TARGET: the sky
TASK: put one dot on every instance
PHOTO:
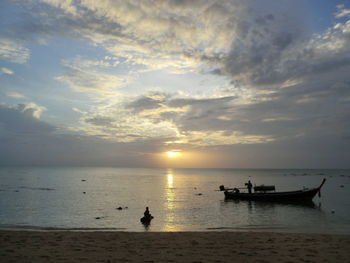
(219, 83)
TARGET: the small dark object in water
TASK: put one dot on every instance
(333, 211)
(84, 192)
(342, 175)
(98, 217)
(120, 208)
(83, 180)
(199, 194)
(342, 186)
(146, 219)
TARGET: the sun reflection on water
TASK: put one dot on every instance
(170, 177)
(170, 206)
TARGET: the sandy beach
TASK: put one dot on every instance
(66, 246)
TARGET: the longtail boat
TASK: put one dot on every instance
(268, 193)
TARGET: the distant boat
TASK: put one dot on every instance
(264, 193)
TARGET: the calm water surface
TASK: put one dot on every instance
(179, 199)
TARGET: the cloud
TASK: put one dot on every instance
(285, 84)
(31, 109)
(23, 119)
(88, 80)
(26, 140)
(120, 125)
(283, 115)
(342, 12)
(152, 38)
(16, 95)
(13, 51)
(270, 51)
(224, 137)
(6, 71)
(190, 122)
(148, 102)
(257, 44)
(253, 43)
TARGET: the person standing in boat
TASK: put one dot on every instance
(249, 186)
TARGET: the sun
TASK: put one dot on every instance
(173, 154)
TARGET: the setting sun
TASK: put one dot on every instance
(173, 154)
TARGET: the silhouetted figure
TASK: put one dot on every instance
(249, 186)
(146, 213)
(146, 219)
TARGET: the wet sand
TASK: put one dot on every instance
(66, 246)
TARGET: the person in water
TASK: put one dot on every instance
(249, 186)
(146, 213)
(147, 217)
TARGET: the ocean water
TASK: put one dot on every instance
(179, 199)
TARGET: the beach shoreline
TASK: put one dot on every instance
(118, 246)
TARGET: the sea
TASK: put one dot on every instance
(114, 199)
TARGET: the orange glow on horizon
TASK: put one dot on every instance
(173, 154)
(183, 158)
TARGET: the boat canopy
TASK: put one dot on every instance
(264, 188)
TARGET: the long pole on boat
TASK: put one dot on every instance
(319, 188)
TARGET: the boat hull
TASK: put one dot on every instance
(292, 196)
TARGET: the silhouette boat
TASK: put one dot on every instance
(268, 193)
